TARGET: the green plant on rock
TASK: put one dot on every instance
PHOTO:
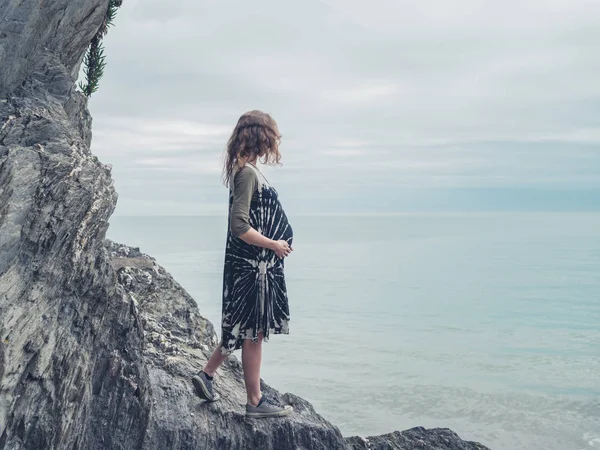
(95, 61)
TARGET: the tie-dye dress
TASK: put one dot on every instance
(254, 291)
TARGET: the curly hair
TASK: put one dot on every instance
(255, 136)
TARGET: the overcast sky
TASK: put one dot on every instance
(384, 106)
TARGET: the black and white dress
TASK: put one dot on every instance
(254, 291)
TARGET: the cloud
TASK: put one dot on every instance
(376, 92)
(413, 94)
(181, 165)
(139, 135)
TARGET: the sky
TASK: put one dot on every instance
(385, 106)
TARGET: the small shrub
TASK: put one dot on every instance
(95, 60)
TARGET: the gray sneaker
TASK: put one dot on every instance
(204, 387)
(268, 407)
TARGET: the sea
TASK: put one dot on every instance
(484, 323)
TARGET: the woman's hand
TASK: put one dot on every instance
(281, 248)
(253, 237)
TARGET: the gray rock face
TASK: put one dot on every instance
(415, 439)
(46, 39)
(177, 342)
(97, 342)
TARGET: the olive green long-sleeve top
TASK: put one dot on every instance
(245, 189)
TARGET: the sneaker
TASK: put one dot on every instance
(268, 407)
(204, 387)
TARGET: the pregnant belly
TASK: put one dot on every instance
(288, 233)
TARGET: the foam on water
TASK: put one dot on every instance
(592, 439)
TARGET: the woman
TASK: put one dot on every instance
(259, 237)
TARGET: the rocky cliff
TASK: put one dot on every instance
(97, 341)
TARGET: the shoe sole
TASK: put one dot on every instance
(202, 390)
(284, 412)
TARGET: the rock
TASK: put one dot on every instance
(415, 439)
(177, 344)
(44, 42)
(97, 341)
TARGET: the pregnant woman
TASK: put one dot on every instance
(259, 237)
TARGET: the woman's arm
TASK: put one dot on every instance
(244, 185)
(253, 237)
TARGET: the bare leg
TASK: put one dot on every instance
(251, 359)
(215, 361)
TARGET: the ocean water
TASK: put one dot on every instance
(488, 324)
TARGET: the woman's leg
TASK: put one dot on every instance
(203, 381)
(251, 359)
(215, 361)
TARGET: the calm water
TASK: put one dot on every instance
(484, 323)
